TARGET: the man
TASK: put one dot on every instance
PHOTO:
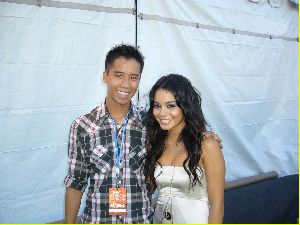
(107, 148)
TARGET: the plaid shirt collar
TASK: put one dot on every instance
(103, 112)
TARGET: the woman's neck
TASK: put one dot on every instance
(173, 134)
(172, 137)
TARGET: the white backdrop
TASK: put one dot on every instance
(248, 84)
(51, 72)
(51, 63)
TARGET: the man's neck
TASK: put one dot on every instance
(117, 111)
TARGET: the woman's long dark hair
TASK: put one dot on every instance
(189, 101)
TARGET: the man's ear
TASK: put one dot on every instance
(104, 76)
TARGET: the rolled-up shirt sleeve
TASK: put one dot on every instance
(77, 177)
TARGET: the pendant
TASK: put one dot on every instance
(119, 184)
(167, 215)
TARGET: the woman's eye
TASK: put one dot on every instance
(171, 106)
(155, 106)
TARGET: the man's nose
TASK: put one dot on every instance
(125, 81)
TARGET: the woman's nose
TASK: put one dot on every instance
(162, 111)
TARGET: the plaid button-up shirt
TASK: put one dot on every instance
(92, 158)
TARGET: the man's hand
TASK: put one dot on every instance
(207, 134)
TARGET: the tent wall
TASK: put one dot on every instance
(51, 63)
(248, 83)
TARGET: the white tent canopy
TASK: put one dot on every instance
(241, 55)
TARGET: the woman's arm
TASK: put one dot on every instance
(214, 166)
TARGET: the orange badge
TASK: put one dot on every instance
(117, 201)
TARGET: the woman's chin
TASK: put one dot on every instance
(164, 128)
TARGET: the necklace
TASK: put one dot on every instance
(168, 212)
(177, 155)
(174, 161)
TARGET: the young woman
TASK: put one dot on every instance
(187, 169)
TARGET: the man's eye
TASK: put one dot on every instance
(134, 77)
(118, 74)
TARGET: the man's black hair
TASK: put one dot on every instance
(126, 51)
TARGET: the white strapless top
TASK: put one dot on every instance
(185, 204)
(180, 183)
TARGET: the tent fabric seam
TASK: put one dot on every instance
(142, 16)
